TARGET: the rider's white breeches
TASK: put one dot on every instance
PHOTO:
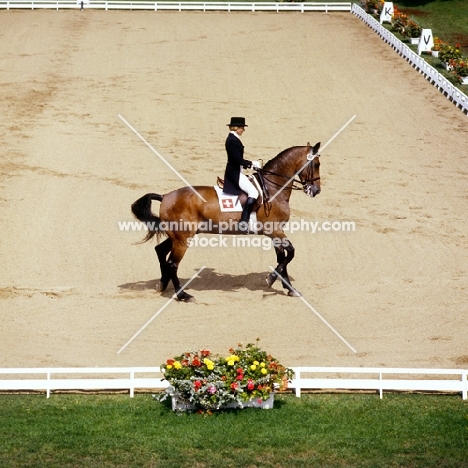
(247, 186)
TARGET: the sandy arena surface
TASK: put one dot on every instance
(74, 288)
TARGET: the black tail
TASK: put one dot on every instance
(142, 211)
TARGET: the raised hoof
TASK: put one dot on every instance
(270, 279)
(184, 297)
(161, 286)
(294, 293)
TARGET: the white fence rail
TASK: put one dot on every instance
(176, 6)
(430, 73)
(305, 378)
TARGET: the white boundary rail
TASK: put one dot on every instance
(177, 6)
(139, 378)
(430, 73)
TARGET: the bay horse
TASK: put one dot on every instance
(191, 210)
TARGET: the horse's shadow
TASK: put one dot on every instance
(208, 279)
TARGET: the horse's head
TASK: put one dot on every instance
(310, 174)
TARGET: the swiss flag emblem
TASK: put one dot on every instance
(227, 203)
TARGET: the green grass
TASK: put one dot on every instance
(448, 19)
(358, 430)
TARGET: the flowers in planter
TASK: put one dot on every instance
(412, 29)
(399, 21)
(459, 66)
(372, 6)
(448, 52)
(208, 382)
(437, 44)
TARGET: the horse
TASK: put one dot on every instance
(187, 211)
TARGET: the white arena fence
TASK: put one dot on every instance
(305, 378)
(177, 6)
(430, 73)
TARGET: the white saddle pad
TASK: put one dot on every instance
(227, 202)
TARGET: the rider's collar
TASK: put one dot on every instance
(235, 134)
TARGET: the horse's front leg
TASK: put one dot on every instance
(284, 255)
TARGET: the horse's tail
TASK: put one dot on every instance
(142, 211)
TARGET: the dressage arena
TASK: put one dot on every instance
(75, 287)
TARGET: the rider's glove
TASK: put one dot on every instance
(255, 164)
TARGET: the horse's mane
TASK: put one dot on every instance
(270, 164)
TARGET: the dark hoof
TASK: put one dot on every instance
(294, 293)
(270, 279)
(244, 228)
(161, 286)
(184, 297)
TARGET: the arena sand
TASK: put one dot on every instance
(75, 288)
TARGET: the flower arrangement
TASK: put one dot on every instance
(208, 382)
(399, 21)
(448, 52)
(437, 44)
(372, 6)
(459, 66)
(412, 29)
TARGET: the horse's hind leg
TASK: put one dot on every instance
(162, 251)
(177, 252)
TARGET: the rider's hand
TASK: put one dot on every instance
(255, 164)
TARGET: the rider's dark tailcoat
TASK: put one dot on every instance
(235, 154)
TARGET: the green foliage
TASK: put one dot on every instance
(316, 430)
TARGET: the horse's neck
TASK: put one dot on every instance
(282, 171)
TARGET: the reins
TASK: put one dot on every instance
(295, 182)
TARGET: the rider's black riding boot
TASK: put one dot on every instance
(244, 221)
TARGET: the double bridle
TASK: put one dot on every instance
(309, 179)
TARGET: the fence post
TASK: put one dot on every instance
(298, 385)
(48, 385)
(465, 385)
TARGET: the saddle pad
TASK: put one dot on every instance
(227, 202)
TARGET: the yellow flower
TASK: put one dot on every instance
(169, 366)
(256, 363)
(253, 367)
(262, 364)
(230, 363)
(264, 371)
(208, 363)
(177, 365)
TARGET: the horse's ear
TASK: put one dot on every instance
(316, 148)
(308, 145)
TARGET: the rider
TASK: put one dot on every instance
(235, 181)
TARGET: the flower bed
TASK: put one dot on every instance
(248, 376)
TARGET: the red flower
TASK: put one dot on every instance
(197, 384)
(234, 385)
(170, 362)
(196, 362)
(250, 385)
(240, 377)
(240, 371)
(205, 352)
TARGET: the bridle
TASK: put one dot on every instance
(298, 184)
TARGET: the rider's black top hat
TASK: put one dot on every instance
(237, 122)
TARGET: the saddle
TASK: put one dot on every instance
(242, 197)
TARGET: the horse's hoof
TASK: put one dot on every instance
(294, 293)
(161, 286)
(184, 297)
(270, 279)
